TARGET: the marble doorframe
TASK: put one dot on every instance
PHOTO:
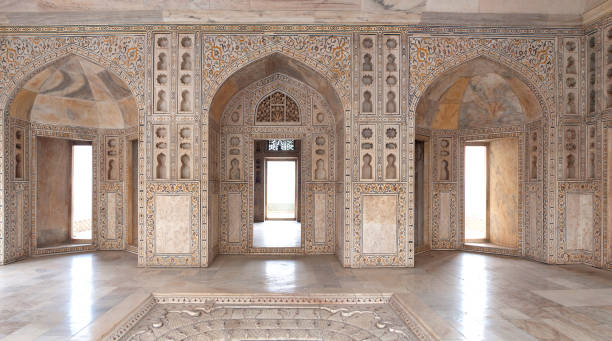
(71, 134)
(497, 133)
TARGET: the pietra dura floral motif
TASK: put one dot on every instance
(551, 82)
(222, 53)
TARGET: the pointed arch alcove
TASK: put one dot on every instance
(309, 112)
(68, 107)
(484, 108)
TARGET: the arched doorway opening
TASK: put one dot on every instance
(71, 130)
(478, 161)
(275, 101)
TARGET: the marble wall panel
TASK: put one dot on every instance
(320, 220)
(580, 215)
(213, 225)
(382, 235)
(342, 242)
(172, 223)
(533, 222)
(379, 226)
(18, 234)
(579, 223)
(111, 216)
(234, 216)
(111, 232)
(444, 216)
(444, 227)
(131, 191)
(609, 196)
(19, 218)
(213, 220)
(234, 204)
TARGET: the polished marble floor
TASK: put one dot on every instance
(277, 233)
(462, 296)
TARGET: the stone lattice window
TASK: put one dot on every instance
(281, 145)
(277, 108)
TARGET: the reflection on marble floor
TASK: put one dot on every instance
(277, 233)
(461, 296)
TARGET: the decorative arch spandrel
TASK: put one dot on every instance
(532, 59)
(23, 57)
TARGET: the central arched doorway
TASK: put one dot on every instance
(275, 112)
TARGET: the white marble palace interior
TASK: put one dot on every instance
(306, 170)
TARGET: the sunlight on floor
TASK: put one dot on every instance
(279, 233)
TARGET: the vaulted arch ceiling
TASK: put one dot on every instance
(269, 65)
(480, 93)
(73, 91)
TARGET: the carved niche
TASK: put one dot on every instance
(367, 70)
(320, 158)
(112, 157)
(592, 74)
(571, 141)
(174, 73)
(445, 155)
(392, 154)
(533, 154)
(186, 43)
(367, 152)
(391, 49)
(321, 112)
(185, 152)
(608, 68)
(570, 73)
(19, 153)
(234, 157)
(591, 150)
(233, 114)
(161, 151)
(161, 74)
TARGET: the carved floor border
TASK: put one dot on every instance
(398, 306)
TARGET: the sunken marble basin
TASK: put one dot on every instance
(270, 317)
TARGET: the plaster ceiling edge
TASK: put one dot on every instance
(597, 13)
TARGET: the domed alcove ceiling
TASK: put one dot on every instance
(75, 92)
(481, 93)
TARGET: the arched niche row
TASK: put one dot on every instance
(71, 132)
(275, 98)
(479, 162)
